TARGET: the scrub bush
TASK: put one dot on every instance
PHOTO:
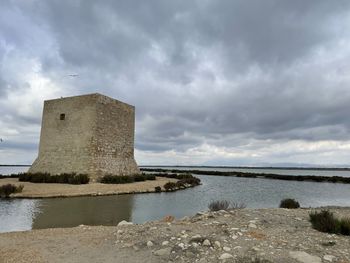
(289, 203)
(7, 189)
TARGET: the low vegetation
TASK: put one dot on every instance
(219, 205)
(126, 179)
(65, 178)
(4, 176)
(157, 189)
(325, 221)
(7, 189)
(289, 203)
(185, 180)
(313, 178)
(170, 186)
(225, 205)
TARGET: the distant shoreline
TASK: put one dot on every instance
(225, 167)
(15, 165)
(254, 167)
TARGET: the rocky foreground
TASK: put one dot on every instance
(246, 235)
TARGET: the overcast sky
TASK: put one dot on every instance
(230, 82)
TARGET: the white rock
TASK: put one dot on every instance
(225, 256)
(234, 229)
(234, 237)
(165, 243)
(304, 257)
(252, 225)
(227, 249)
(149, 243)
(182, 245)
(196, 236)
(120, 231)
(153, 228)
(163, 252)
(329, 258)
(124, 223)
(206, 243)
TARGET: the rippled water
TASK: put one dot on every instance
(20, 214)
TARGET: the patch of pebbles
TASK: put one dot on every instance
(246, 235)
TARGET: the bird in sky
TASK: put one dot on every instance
(73, 75)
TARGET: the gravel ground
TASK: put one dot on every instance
(34, 190)
(246, 235)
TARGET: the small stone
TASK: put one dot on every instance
(120, 231)
(182, 245)
(163, 252)
(329, 258)
(217, 244)
(153, 228)
(206, 243)
(165, 243)
(227, 249)
(234, 237)
(150, 244)
(225, 256)
(252, 225)
(195, 245)
(304, 257)
(124, 223)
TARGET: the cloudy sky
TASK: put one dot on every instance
(231, 82)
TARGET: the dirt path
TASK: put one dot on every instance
(247, 235)
(32, 190)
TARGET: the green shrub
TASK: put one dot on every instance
(114, 179)
(7, 189)
(170, 186)
(157, 189)
(289, 203)
(219, 205)
(324, 221)
(150, 176)
(139, 178)
(344, 226)
(64, 178)
(124, 179)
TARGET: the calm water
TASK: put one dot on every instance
(24, 214)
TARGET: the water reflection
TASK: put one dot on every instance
(17, 214)
(69, 212)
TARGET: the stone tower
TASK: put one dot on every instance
(91, 134)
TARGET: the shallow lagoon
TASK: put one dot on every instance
(25, 214)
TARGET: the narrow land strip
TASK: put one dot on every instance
(43, 190)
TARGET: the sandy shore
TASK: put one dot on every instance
(32, 190)
(246, 235)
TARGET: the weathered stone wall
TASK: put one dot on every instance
(95, 137)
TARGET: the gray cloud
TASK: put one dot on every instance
(224, 73)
